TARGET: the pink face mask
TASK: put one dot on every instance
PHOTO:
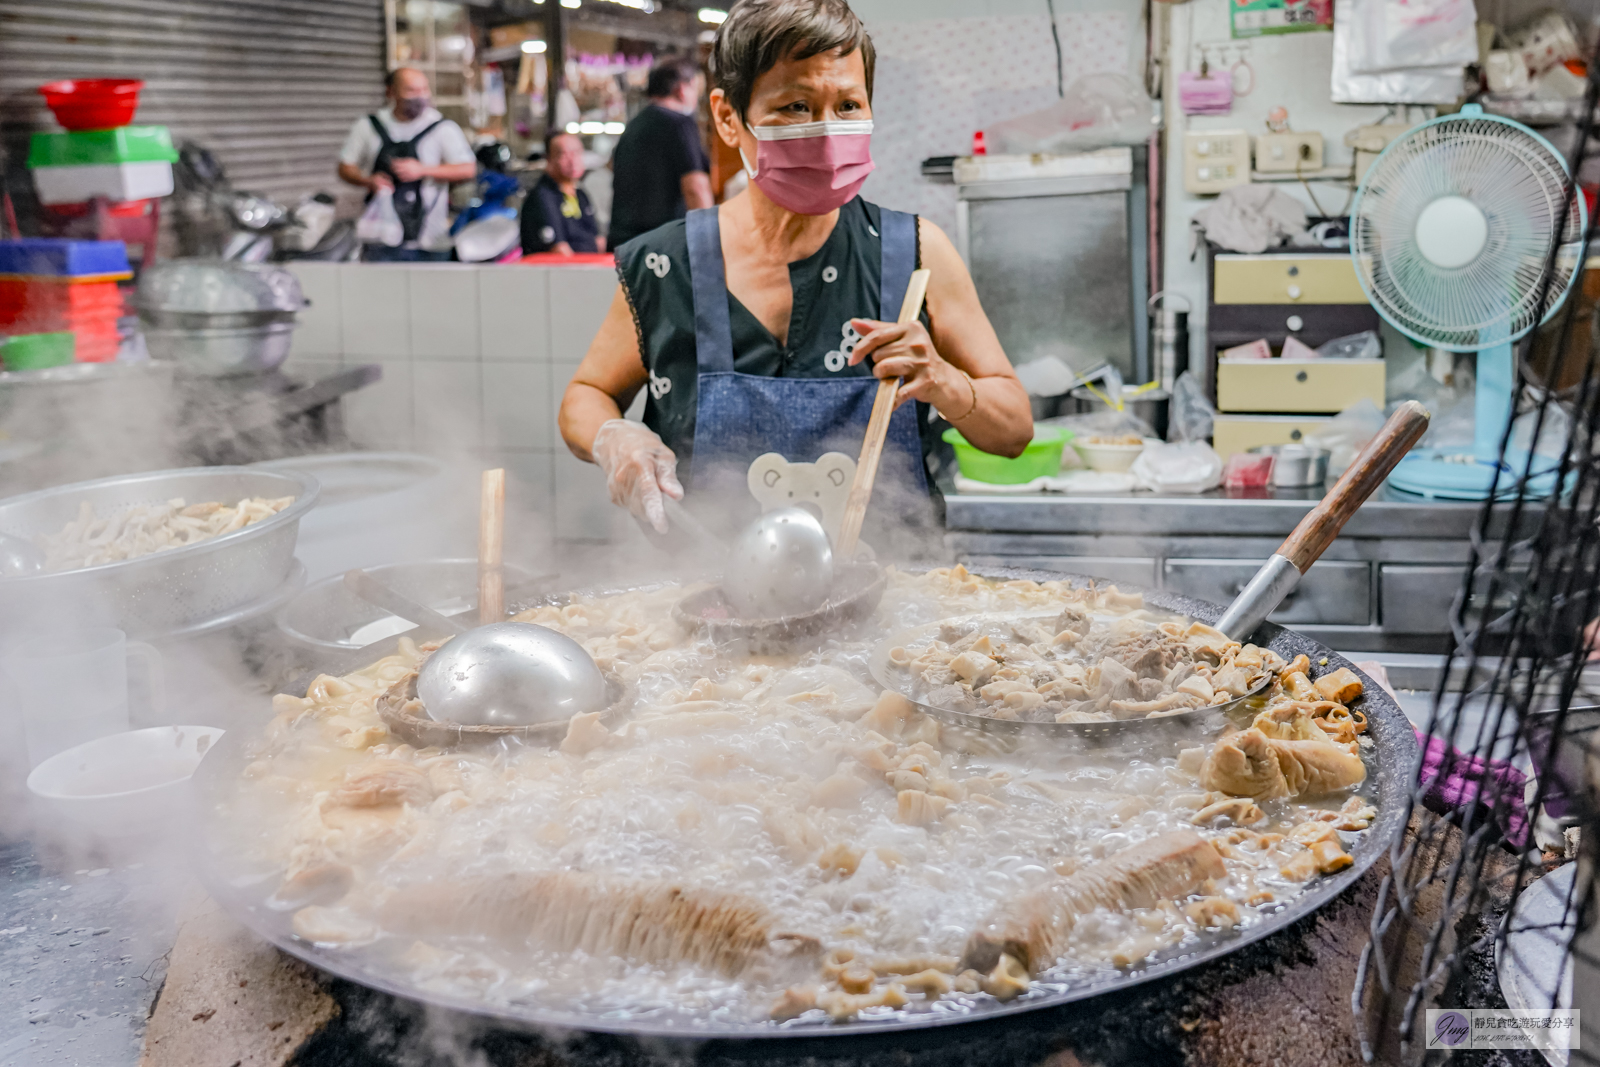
(814, 167)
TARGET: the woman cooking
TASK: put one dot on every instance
(758, 326)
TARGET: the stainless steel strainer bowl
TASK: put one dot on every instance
(164, 592)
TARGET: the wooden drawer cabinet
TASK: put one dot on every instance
(1286, 279)
(1294, 385)
(1231, 434)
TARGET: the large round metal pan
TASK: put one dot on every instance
(1389, 763)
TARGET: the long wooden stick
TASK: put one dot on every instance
(855, 507)
(491, 548)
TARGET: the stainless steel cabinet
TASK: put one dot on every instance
(1332, 593)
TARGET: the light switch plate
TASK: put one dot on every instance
(1286, 152)
(1214, 160)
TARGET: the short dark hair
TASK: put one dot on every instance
(759, 34)
(667, 75)
(550, 139)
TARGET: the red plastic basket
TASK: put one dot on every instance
(93, 103)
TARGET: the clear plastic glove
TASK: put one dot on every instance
(639, 467)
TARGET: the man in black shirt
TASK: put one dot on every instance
(660, 167)
(556, 214)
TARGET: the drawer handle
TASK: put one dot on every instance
(1300, 377)
(1294, 322)
(1294, 435)
(1294, 292)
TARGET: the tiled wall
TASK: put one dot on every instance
(475, 359)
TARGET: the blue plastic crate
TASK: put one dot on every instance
(54, 255)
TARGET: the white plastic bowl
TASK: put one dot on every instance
(1107, 457)
(132, 784)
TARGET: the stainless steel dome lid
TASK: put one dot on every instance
(204, 292)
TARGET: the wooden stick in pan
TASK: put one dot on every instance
(855, 508)
(491, 548)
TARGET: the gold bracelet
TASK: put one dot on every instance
(973, 386)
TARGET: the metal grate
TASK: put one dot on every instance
(1510, 762)
(270, 86)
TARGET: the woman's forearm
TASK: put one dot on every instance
(584, 408)
(991, 412)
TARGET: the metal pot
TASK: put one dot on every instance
(216, 318)
(1296, 466)
(222, 353)
(1150, 405)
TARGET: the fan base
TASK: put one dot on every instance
(1452, 475)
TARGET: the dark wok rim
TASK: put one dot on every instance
(1390, 764)
(784, 631)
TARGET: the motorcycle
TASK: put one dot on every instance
(214, 218)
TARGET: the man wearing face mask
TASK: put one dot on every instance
(759, 326)
(412, 150)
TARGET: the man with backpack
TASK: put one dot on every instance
(411, 152)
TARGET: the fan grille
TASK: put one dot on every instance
(1518, 182)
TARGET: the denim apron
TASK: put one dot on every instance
(739, 417)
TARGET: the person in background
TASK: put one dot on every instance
(661, 170)
(410, 148)
(557, 215)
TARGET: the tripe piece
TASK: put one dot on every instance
(1034, 927)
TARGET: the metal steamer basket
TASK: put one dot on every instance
(1389, 763)
(174, 591)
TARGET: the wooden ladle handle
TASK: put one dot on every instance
(1323, 522)
(855, 505)
(491, 547)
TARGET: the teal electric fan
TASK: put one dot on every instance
(1451, 235)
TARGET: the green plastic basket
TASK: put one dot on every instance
(36, 351)
(1041, 458)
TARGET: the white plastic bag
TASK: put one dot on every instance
(380, 223)
(1418, 33)
(1191, 467)
(1411, 85)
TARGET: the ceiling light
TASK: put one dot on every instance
(571, 3)
(591, 128)
(713, 15)
(533, 48)
(615, 128)
(573, 127)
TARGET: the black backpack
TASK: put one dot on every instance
(407, 195)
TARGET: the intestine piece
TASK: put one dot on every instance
(565, 911)
(1033, 929)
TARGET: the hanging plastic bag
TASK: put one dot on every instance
(1411, 85)
(1191, 413)
(380, 223)
(1419, 33)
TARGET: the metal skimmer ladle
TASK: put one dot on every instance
(502, 674)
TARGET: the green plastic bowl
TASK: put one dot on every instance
(1042, 457)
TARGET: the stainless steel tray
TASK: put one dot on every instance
(1389, 763)
(168, 592)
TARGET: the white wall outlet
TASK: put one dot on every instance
(1288, 152)
(1214, 160)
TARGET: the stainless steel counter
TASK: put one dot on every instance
(1387, 584)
